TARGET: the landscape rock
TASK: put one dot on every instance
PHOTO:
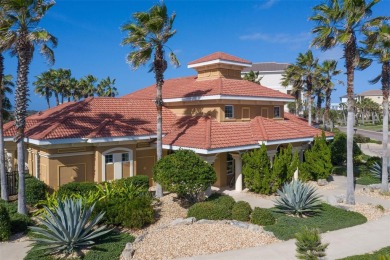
(181, 221)
(340, 198)
(139, 238)
(374, 187)
(322, 182)
(239, 224)
(205, 221)
(255, 228)
(128, 252)
(332, 200)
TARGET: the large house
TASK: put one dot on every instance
(375, 95)
(214, 113)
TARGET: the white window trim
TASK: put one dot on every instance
(106, 160)
(232, 111)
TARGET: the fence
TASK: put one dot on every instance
(12, 183)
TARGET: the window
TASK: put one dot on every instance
(125, 157)
(276, 112)
(229, 112)
(109, 158)
(230, 164)
(246, 113)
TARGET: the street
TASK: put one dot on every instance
(371, 134)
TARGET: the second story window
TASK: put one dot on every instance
(277, 112)
(229, 111)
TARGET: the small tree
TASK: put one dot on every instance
(184, 173)
(309, 245)
(318, 163)
(338, 149)
(293, 166)
(256, 170)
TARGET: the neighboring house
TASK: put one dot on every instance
(375, 95)
(344, 99)
(214, 113)
(335, 106)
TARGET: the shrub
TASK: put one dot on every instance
(262, 217)
(135, 213)
(358, 138)
(81, 188)
(138, 181)
(5, 224)
(298, 198)
(317, 163)
(209, 210)
(67, 228)
(309, 245)
(19, 222)
(224, 200)
(339, 149)
(185, 174)
(35, 190)
(371, 160)
(257, 170)
(241, 211)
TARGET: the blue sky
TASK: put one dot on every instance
(271, 30)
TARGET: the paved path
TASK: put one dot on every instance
(342, 243)
(372, 134)
(14, 250)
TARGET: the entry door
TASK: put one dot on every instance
(117, 158)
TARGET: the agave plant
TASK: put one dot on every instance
(376, 170)
(298, 198)
(67, 227)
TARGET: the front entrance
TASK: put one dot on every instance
(117, 164)
(230, 170)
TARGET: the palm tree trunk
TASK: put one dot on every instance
(48, 97)
(159, 67)
(350, 51)
(319, 102)
(3, 175)
(24, 58)
(327, 108)
(57, 98)
(385, 130)
(309, 100)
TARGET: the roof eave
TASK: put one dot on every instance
(227, 97)
(218, 61)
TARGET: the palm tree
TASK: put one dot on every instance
(106, 88)
(290, 77)
(337, 23)
(148, 34)
(6, 86)
(328, 70)
(377, 41)
(45, 87)
(319, 93)
(253, 77)
(87, 86)
(62, 79)
(25, 16)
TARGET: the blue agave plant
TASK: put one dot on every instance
(376, 170)
(67, 227)
(298, 198)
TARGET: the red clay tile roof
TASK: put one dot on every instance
(220, 56)
(206, 133)
(188, 87)
(94, 118)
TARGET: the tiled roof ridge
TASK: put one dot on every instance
(219, 55)
(99, 128)
(64, 118)
(262, 128)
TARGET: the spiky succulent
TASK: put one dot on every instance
(67, 227)
(376, 170)
(298, 198)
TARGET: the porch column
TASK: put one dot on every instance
(9, 160)
(237, 171)
(36, 165)
(210, 159)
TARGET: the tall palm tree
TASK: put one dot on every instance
(319, 93)
(6, 86)
(329, 70)
(87, 86)
(148, 35)
(253, 77)
(74, 90)
(377, 41)
(290, 77)
(26, 15)
(106, 88)
(62, 78)
(337, 23)
(45, 86)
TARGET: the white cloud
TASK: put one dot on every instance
(266, 4)
(277, 37)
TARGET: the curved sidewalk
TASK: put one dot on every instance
(356, 240)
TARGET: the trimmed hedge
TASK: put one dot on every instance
(81, 188)
(19, 222)
(224, 200)
(139, 181)
(35, 190)
(209, 210)
(5, 224)
(262, 217)
(241, 211)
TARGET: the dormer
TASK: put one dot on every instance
(219, 65)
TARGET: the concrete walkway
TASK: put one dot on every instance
(16, 250)
(342, 243)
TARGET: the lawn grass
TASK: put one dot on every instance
(358, 170)
(375, 255)
(367, 179)
(377, 128)
(330, 218)
(108, 247)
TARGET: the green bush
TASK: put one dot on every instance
(374, 159)
(262, 217)
(309, 245)
(209, 210)
(317, 164)
(135, 213)
(141, 181)
(224, 200)
(241, 211)
(185, 174)
(5, 224)
(19, 222)
(338, 149)
(358, 138)
(35, 190)
(81, 188)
